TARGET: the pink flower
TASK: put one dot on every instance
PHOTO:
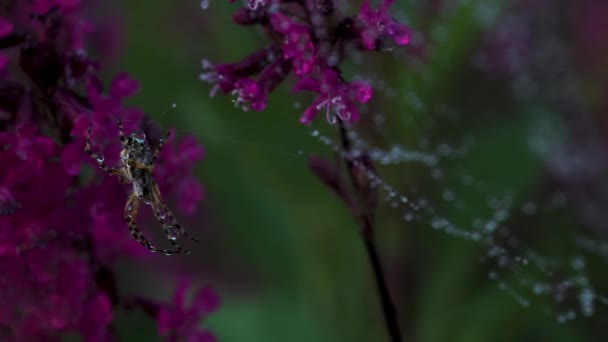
(297, 43)
(335, 95)
(180, 323)
(379, 22)
(6, 27)
(58, 226)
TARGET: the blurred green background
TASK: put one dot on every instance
(283, 251)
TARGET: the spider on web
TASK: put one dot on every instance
(136, 166)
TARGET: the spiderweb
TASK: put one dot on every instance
(502, 151)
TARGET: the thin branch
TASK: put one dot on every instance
(358, 175)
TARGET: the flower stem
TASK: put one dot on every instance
(365, 217)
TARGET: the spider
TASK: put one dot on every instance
(136, 166)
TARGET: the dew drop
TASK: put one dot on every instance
(529, 208)
(448, 196)
(538, 289)
(204, 4)
(138, 136)
(172, 232)
(408, 217)
(578, 263)
(586, 298)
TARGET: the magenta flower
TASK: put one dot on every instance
(6, 28)
(62, 230)
(178, 323)
(309, 38)
(297, 45)
(249, 95)
(379, 22)
(335, 96)
(175, 168)
(235, 78)
(44, 281)
(225, 76)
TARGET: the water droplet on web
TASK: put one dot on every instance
(408, 217)
(174, 105)
(538, 289)
(529, 208)
(490, 226)
(172, 232)
(448, 196)
(503, 261)
(315, 133)
(204, 4)
(139, 136)
(578, 263)
(100, 159)
(437, 174)
(586, 300)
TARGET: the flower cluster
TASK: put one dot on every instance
(175, 321)
(309, 39)
(61, 228)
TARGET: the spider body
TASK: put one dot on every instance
(137, 161)
(135, 158)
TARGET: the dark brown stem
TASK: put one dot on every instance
(365, 217)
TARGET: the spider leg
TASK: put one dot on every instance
(171, 231)
(121, 132)
(130, 217)
(165, 213)
(175, 224)
(100, 160)
(161, 143)
(131, 209)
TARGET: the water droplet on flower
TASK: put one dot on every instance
(100, 159)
